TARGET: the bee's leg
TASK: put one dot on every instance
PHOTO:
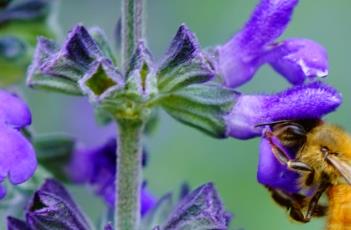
(292, 128)
(295, 204)
(285, 126)
(278, 151)
(314, 201)
(283, 156)
(299, 166)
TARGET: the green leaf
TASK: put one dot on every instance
(202, 106)
(53, 152)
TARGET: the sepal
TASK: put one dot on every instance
(201, 209)
(101, 80)
(53, 208)
(184, 63)
(101, 40)
(43, 74)
(81, 59)
(141, 73)
(202, 106)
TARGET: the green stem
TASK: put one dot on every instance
(129, 175)
(132, 28)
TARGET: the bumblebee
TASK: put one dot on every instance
(323, 160)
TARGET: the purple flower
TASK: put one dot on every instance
(51, 207)
(17, 156)
(307, 101)
(254, 45)
(97, 167)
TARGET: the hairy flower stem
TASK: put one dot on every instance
(132, 28)
(129, 175)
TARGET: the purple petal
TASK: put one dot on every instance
(299, 59)
(239, 58)
(17, 156)
(148, 201)
(272, 173)
(309, 101)
(13, 111)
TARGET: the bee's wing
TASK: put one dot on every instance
(343, 167)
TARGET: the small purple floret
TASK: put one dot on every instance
(17, 156)
(253, 46)
(309, 101)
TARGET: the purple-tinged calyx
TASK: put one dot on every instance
(17, 156)
(141, 75)
(97, 167)
(186, 90)
(240, 58)
(53, 208)
(101, 80)
(201, 209)
(309, 101)
(184, 63)
(78, 51)
(80, 57)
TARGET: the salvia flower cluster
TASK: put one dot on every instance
(196, 87)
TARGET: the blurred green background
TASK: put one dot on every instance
(179, 153)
